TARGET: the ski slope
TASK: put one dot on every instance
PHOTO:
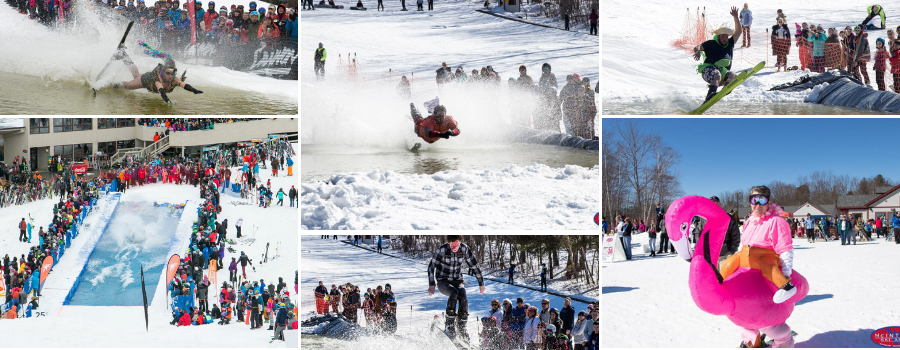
(104, 326)
(640, 65)
(333, 262)
(852, 293)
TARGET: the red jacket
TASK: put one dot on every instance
(155, 138)
(142, 173)
(22, 225)
(185, 320)
(428, 127)
(895, 61)
(208, 18)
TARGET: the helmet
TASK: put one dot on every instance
(262, 10)
(554, 310)
(281, 306)
(551, 328)
(440, 108)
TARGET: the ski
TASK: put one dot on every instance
(415, 148)
(266, 259)
(127, 30)
(740, 79)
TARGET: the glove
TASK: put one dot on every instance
(190, 88)
(446, 134)
(164, 97)
(787, 262)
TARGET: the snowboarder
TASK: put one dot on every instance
(874, 10)
(436, 126)
(719, 52)
(445, 273)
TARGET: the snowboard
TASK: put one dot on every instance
(740, 79)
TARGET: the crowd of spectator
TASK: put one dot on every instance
(189, 124)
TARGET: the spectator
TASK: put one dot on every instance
(548, 79)
(320, 57)
(524, 80)
(746, 20)
(881, 56)
(594, 19)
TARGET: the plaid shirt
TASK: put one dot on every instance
(448, 265)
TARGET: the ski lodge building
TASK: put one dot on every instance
(111, 139)
(881, 203)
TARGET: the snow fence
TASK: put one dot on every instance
(840, 88)
(545, 137)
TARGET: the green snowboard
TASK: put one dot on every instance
(740, 79)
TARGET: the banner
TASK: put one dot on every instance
(172, 268)
(45, 268)
(213, 281)
(144, 290)
(2, 287)
(79, 168)
(193, 16)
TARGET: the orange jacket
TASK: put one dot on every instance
(428, 126)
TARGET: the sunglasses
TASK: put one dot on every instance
(759, 199)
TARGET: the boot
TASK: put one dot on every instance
(784, 293)
(461, 324)
(416, 116)
(711, 92)
(450, 324)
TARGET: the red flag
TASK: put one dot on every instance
(172, 267)
(193, 21)
(45, 268)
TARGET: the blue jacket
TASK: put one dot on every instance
(746, 17)
(206, 253)
(291, 27)
(281, 318)
(511, 269)
(896, 222)
(36, 280)
(290, 161)
(517, 322)
(199, 14)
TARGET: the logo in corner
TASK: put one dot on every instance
(597, 219)
(887, 336)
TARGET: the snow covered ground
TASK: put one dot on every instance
(639, 64)
(532, 197)
(333, 262)
(101, 326)
(853, 292)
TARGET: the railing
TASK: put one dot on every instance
(152, 150)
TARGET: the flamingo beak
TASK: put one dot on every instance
(683, 247)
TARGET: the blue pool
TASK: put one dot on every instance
(138, 233)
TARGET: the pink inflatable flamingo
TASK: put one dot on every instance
(746, 296)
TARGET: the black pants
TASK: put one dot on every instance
(663, 243)
(281, 202)
(456, 292)
(380, 5)
(430, 5)
(254, 318)
(403, 4)
(232, 275)
(594, 29)
(320, 69)
(239, 231)
(22, 236)
(203, 306)
(510, 279)
(544, 282)
(897, 236)
(419, 7)
(567, 24)
(379, 248)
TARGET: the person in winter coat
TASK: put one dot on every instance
(578, 331)
(895, 65)
(185, 319)
(232, 270)
(351, 304)
(746, 20)
(216, 312)
(547, 77)
(595, 17)
(881, 56)
(280, 321)
(860, 44)
(238, 225)
(280, 286)
(280, 195)
(517, 321)
(593, 342)
(567, 315)
(244, 261)
(254, 313)
(319, 58)
(202, 294)
(531, 330)
(818, 39)
(389, 318)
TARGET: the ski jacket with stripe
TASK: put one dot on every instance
(447, 265)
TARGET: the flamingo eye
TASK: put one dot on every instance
(684, 227)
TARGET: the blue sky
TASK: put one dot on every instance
(725, 154)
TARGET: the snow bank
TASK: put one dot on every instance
(533, 197)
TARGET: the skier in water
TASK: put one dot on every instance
(719, 52)
(436, 126)
(160, 80)
(445, 272)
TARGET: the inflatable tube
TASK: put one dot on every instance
(545, 137)
(332, 326)
(839, 88)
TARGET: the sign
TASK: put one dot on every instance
(887, 336)
(2, 288)
(172, 267)
(612, 249)
(79, 168)
(45, 268)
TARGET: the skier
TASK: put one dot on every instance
(434, 127)
(160, 80)
(719, 52)
(445, 272)
(320, 57)
(22, 226)
(244, 261)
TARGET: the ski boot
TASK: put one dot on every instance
(784, 293)
(450, 324)
(461, 321)
(122, 55)
(711, 92)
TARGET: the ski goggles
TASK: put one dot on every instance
(759, 199)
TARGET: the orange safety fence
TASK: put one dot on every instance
(694, 32)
